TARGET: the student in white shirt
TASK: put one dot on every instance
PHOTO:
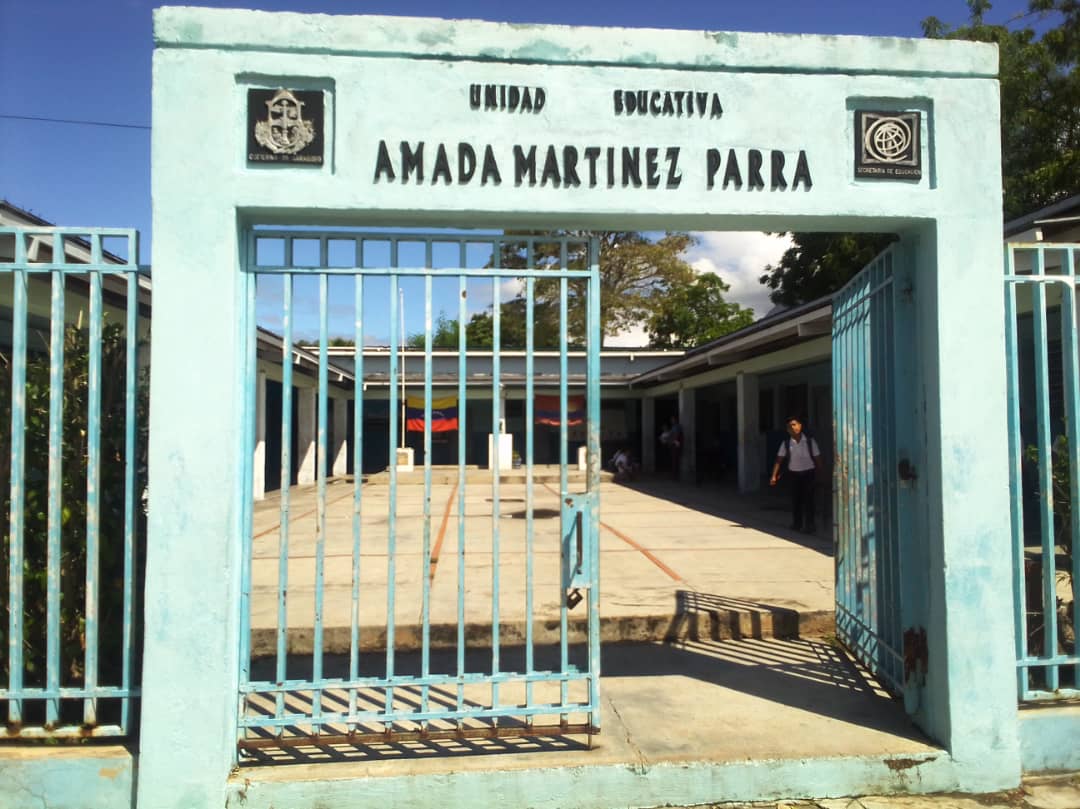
(803, 460)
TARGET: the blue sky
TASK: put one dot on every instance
(89, 60)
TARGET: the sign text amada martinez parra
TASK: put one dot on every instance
(592, 165)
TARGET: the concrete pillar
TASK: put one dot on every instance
(749, 435)
(338, 449)
(648, 434)
(259, 471)
(688, 420)
(306, 399)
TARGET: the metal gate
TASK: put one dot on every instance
(1043, 355)
(73, 397)
(869, 562)
(358, 626)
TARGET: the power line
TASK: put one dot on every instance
(72, 121)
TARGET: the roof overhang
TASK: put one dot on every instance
(808, 322)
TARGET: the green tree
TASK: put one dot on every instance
(1040, 100)
(693, 314)
(639, 277)
(1040, 137)
(636, 273)
(480, 328)
(818, 264)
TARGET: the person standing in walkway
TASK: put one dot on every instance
(674, 442)
(803, 461)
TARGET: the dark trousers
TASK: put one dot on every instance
(802, 499)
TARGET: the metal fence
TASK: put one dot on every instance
(377, 634)
(1044, 449)
(73, 408)
(868, 548)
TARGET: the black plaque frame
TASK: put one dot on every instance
(888, 145)
(312, 111)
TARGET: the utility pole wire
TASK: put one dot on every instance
(72, 121)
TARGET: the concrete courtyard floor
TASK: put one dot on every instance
(675, 561)
(717, 626)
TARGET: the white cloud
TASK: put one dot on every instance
(739, 259)
(631, 338)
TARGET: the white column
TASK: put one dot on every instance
(749, 436)
(305, 434)
(339, 453)
(258, 476)
(688, 421)
(648, 434)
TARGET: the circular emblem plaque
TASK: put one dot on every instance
(888, 139)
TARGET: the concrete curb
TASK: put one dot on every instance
(680, 627)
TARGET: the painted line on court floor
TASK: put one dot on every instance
(645, 551)
(636, 546)
(277, 527)
(434, 561)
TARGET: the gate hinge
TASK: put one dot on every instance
(916, 655)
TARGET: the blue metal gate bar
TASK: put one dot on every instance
(1012, 369)
(496, 453)
(868, 555)
(320, 477)
(51, 707)
(1046, 274)
(530, 527)
(1070, 345)
(286, 482)
(564, 486)
(396, 703)
(18, 467)
(594, 337)
(358, 505)
(93, 485)
(425, 568)
(55, 473)
(391, 539)
(249, 404)
(462, 428)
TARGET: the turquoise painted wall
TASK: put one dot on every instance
(391, 81)
(65, 777)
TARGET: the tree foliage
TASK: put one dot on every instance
(635, 272)
(818, 264)
(1040, 100)
(480, 329)
(640, 279)
(692, 314)
(1040, 140)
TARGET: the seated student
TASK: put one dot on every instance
(622, 464)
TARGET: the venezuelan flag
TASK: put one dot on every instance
(547, 410)
(444, 414)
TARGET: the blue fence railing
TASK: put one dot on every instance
(1044, 449)
(73, 402)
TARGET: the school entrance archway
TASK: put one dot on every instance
(317, 122)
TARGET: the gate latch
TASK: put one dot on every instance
(916, 655)
(577, 543)
(906, 471)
